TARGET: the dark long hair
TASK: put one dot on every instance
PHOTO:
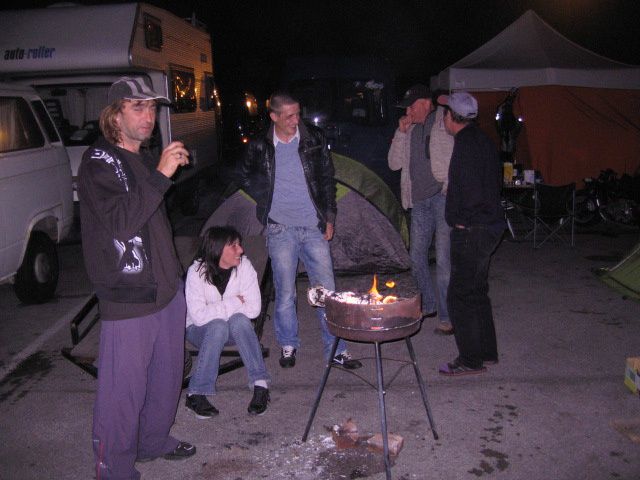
(213, 242)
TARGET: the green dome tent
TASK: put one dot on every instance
(625, 276)
(371, 233)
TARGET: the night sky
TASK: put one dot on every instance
(252, 38)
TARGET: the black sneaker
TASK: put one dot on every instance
(288, 357)
(201, 406)
(259, 401)
(183, 450)
(457, 368)
(345, 361)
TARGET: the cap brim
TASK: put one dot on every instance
(159, 99)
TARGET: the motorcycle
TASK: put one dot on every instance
(609, 198)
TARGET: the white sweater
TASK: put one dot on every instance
(399, 158)
(204, 302)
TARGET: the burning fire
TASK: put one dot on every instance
(317, 295)
(374, 287)
(375, 295)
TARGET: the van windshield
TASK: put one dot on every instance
(357, 101)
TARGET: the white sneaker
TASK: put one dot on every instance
(288, 356)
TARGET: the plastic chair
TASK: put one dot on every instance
(553, 214)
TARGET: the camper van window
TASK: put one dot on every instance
(18, 127)
(183, 90)
(152, 33)
(211, 95)
(45, 120)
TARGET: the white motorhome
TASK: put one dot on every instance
(71, 54)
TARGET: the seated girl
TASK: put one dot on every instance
(223, 294)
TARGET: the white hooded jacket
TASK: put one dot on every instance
(204, 302)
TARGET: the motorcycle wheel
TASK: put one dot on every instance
(623, 211)
(586, 210)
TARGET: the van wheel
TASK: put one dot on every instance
(37, 277)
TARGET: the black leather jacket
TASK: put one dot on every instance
(257, 173)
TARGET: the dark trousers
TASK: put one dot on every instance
(468, 295)
(140, 368)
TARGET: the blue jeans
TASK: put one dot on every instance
(427, 218)
(469, 302)
(211, 338)
(286, 246)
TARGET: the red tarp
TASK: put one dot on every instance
(571, 132)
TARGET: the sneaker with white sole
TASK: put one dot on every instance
(288, 357)
(345, 360)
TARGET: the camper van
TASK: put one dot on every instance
(71, 54)
(36, 207)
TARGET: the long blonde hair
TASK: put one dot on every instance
(108, 123)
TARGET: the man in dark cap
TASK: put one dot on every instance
(132, 264)
(423, 195)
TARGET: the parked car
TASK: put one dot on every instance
(36, 196)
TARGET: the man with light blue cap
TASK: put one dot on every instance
(474, 212)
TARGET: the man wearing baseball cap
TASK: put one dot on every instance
(131, 261)
(423, 195)
(474, 212)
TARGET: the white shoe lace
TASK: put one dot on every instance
(287, 351)
(344, 355)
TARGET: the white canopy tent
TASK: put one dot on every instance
(529, 52)
(581, 111)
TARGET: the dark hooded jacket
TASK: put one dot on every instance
(126, 236)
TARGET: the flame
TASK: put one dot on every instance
(374, 295)
(373, 292)
(374, 286)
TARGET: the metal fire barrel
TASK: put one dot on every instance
(374, 323)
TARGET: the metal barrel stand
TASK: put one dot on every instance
(381, 394)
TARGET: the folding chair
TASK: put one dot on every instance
(517, 203)
(554, 211)
(255, 249)
(85, 326)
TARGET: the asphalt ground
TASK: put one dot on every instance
(554, 407)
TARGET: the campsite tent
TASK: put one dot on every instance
(625, 276)
(371, 230)
(581, 111)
